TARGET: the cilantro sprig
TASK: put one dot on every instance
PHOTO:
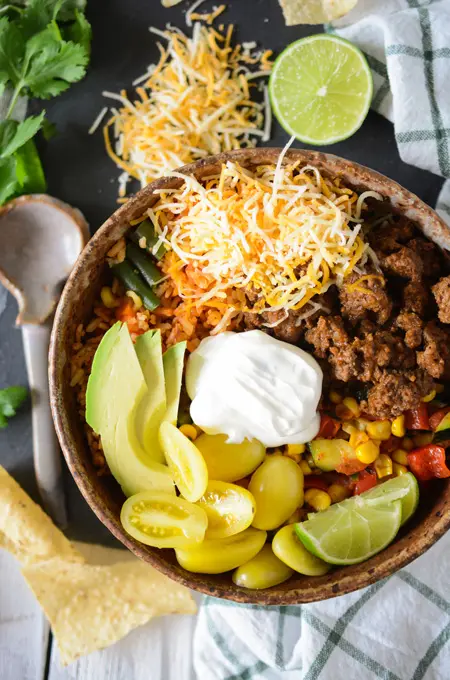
(10, 400)
(44, 48)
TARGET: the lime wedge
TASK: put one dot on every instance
(351, 531)
(404, 488)
(321, 89)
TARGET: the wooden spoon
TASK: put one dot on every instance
(40, 240)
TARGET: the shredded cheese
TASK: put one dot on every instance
(195, 102)
(283, 232)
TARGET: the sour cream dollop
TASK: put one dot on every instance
(252, 386)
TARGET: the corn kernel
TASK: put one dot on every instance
(398, 426)
(429, 397)
(277, 452)
(383, 466)
(407, 444)
(423, 439)
(379, 429)
(399, 470)
(367, 452)
(439, 388)
(352, 406)
(338, 492)
(335, 397)
(189, 431)
(361, 424)
(305, 468)
(296, 457)
(317, 499)
(107, 297)
(137, 302)
(295, 448)
(357, 438)
(400, 456)
(349, 428)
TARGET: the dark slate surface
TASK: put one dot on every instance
(80, 173)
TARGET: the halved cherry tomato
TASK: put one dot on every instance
(428, 462)
(185, 462)
(417, 418)
(328, 427)
(163, 521)
(437, 417)
(229, 508)
(315, 482)
(366, 480)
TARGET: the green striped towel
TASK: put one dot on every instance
(399, 628)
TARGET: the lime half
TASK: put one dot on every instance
(351, 531)
(404, 488)
(321, 89)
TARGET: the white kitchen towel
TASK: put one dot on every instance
(399, 628)
(407, 44)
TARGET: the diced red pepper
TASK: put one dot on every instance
(437, 416)
(126, 313)
(366, 480)
(417, 418)
(428, 462)
(315, 482)
(328, 427)
(389, 445)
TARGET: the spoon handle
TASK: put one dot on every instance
(46, 452)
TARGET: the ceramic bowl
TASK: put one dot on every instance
(105, 497)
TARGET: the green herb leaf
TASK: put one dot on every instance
(8, 179)
(49, 129)
(53, 65)
(10, 400)
(24, 131)
(7, 131)
(80, 31)
(12, 50)
(29, 172)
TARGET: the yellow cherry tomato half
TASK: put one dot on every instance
(185, 462)
(229, 462)
(292, 552)
(163, 521)
(222, 554)
(277, 486)
(262, 571)
(229, 508)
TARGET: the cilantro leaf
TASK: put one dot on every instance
(7, 131)
(9, 184)
(80, 31)
(10, 400)
(29, 172)
(12, 51)
(53, 65)
(23, 132)
(49, 129)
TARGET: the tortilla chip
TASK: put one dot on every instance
(314, 11)
(91, 607)
(101, 555)
(26, 531)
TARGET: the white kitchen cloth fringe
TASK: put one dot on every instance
(399, 628)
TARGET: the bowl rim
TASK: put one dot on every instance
(345, 580)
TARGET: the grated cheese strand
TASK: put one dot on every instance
(195, 102)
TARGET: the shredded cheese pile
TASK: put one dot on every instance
(282, 234)
(195, 102)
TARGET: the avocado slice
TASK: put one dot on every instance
(115, 389)
(173, 362)
(151, 410)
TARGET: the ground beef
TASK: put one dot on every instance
(395, 392)
(435, 357)
(429, 255)
(390, 237)
(416, 298)
(289, 330)
(412, 324)
(405, 263)
(368, 298)
(441, 292)
(328, 333)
